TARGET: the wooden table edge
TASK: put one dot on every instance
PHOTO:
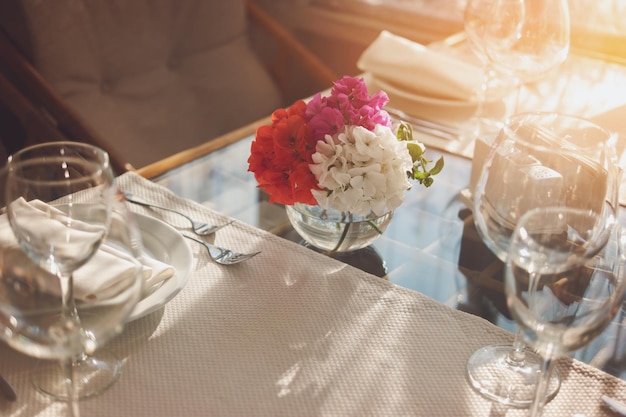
(174, 161)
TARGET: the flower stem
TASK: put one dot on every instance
(375, 227)
(346, 229)
(344, 233)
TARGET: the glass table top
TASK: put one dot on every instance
(430, 246)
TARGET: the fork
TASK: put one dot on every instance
(430, 127)
(221, 255)
(199, 228)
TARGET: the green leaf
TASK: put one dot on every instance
(420, 171)
(438, 167)
(405, 131)
(415, 151)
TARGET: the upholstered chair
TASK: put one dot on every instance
(150, 78)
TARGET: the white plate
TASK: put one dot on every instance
(413, 97)
(447, 111)
(166, 244)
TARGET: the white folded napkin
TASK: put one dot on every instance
(100, 277)
(420, 70)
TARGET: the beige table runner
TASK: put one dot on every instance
(294, 333)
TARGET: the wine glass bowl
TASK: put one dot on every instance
(492, 24)
(70, 262)
(36, 177)
(542, 160)
(523, 38)
(564, 282)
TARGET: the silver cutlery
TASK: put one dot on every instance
(221, 255)
(199, 228)
(429, 127)
(7, 390)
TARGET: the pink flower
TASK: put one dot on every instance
(349, 104)
(328, 121)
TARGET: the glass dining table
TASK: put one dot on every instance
(431, 245)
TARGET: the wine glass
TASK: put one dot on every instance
(518, 40)
(523, 39)
(490, 23)
(564, 282)
(71, 269)
(537, 160)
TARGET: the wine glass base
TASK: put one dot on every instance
(93, 374)
(494, 375)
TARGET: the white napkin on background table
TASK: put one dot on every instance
(418, 69)
(100, 276)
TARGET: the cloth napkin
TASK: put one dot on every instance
(100, 277)
(416, 68)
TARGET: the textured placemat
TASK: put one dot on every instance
(295, 333)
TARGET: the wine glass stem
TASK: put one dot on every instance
(482, 92)
(67, 297)
(480, 115)
(72, 395)
(517, 356)
(515, 100)
(541, 390)
(619, 348)
(73, 326)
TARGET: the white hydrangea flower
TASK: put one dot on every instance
(361, 171)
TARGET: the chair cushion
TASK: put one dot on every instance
(154, 77)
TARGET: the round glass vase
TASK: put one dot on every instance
(335, 231)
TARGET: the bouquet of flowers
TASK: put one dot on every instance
(339, 152)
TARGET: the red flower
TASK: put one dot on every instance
(280, 156)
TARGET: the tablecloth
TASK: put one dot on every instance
(293, 332)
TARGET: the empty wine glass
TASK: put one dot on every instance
(71, 270)
(518, 41)
(537, 160)
(523, 39)
(490, 24)
(564, 282)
